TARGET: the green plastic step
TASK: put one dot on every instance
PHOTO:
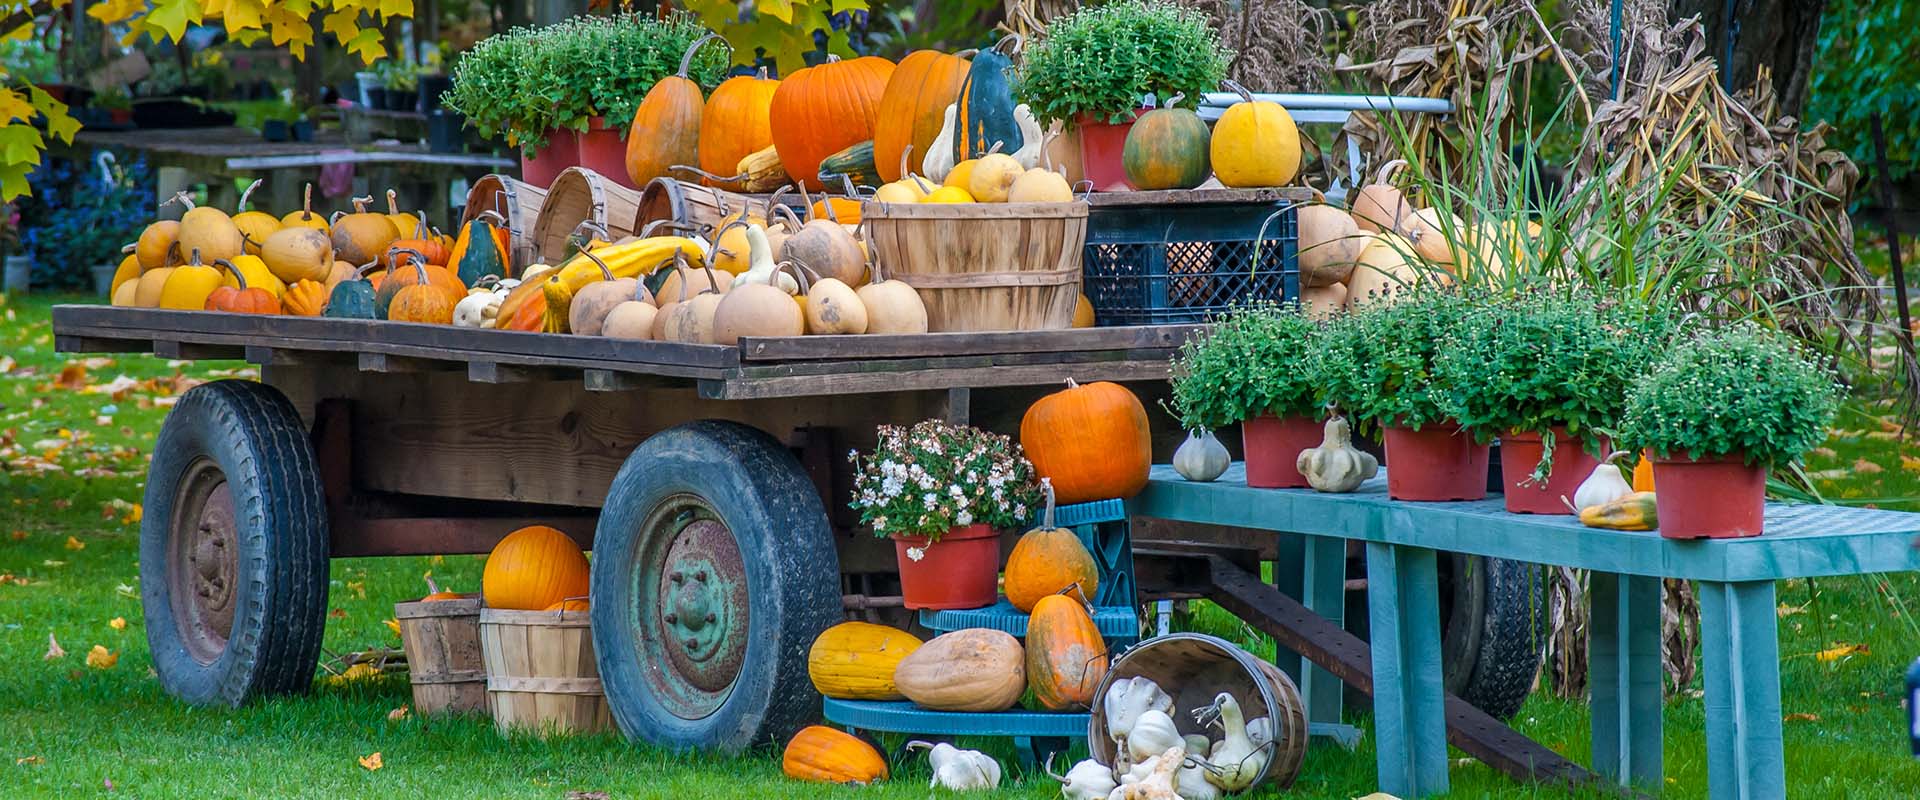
(1119, 625)
(905, 717)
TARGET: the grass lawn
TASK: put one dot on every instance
(74, 435)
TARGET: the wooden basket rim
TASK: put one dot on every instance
(424, 609)
(558, 619)
(874, 210)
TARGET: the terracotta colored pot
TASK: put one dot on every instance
(1102, 146)
(962, 570)
(562, 151)
(603, 151)
(1272, 446)
(1437, 463)
(1717, 497)
(1572, 463)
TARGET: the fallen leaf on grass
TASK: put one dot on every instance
(1866, 467)
(102, 658)
(52, 563)
(7, 364)
(1842, 651)
(372, 762)
(1909, 463)
(19, 536)
(393, 624)
(357, 672)
(127, 591)
(8, 577)
(359, 589)
(398, 714)
(117, 623)
(1801, 717)
(54, 650)
(27, 760)
(72, 378)
(338, 613)
(1822, 452)
(75, 544)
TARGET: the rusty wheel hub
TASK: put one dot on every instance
(203, 561)
(698, 622)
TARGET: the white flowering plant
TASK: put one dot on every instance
(1741, 390)
(932, 477)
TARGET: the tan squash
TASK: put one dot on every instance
(587, 313)
(976, 669)
(834, 308)
(1321, 303)
(363, 235)
(1040, 186)
(632, 319)
(210, 231)
(146, 291)
(756, 309)
(892, 306)
(1379, 206)
(1329, 242)
(296, 254)
(825, 247)
(855, 660)
(1382, 270)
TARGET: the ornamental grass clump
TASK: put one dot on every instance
(932, 477)
(1740, 391)
(1100, 60)
(1255, 360)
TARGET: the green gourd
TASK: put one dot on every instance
(1167, 149)
(352, 298)
(855, 162)
(983, 114)
(480, 254)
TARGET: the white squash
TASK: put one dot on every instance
(1607, 484)
(1236, 760)
(957, 769)
(939, 160)
(1201, 457)
(1087, 780)
(1032, 140)
(1152, 733)
(1336, 466)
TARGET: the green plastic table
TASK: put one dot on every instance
(1745, 758)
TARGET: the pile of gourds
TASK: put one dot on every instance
(1154, 761)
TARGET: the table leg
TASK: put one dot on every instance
(1746, 759)
(1625, 671)
(1409, 697)
(1324, 593)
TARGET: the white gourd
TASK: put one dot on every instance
(1154, 778)
(1032, 140)
(939, 160)
(1127, 699)
(1260, 730)
(1088, 780)
(1153, 732)
(957, 769)
(1201, 457)
(1191, 782)
(762, 269)
(1197, 743)
(1607, 484)
(1336, 465)
(1236, 760)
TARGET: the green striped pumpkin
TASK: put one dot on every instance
(1167, 149)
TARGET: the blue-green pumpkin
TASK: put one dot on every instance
(983, 113)
(351, 299)
(1168, 148)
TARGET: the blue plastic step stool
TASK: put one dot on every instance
(1102, 527)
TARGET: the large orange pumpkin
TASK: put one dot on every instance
(914, 106)
(824, 755)
(533, 568)
(1047, 561)
(821, 110)
(1066, 658)
(1091, 441)
(666, 126)
(735, 123)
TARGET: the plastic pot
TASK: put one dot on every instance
(1437, 463)
(562, 151)
(1272, 448)
(1572, 463)
(603, 151)
(1715, 497)
(1102, 146)
(961, 570)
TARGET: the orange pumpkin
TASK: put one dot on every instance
(533, 568)
(305, 298)
(914, 107)
(387, 289)
(823, 755)
(570, 604)
(823, 109)
(1066, 658)
(1091, 441)
(666, 125)
(435, 246)
(241, 299)
(436, 594)
(1047, 561)
(419, 299)
(735, 123)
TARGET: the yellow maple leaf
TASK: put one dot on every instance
(342, 25)
(357, 672)
(13, 106)
(54, 650)
(102, 658)
(1801, 716)
(113, 11)
(372, 762)
(394, 625)
(75, 544)
(1842, 651)
(117, 623)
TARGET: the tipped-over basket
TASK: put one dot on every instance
(540, 671)
(1193, 668)
(582, 195)
(984, 266)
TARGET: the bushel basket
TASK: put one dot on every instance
(983, 266)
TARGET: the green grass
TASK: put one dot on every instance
(67, 730)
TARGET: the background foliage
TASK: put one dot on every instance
(1868, 63)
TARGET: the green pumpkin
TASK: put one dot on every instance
(479, 259)
(351, 299)
(855, 162)
(983, 114)
(1167, 149)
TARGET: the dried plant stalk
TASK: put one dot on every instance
(1279, 45)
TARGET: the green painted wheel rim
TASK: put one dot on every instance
(689, 606)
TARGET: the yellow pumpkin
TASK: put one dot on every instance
(257, 275)
(188, 287)
(533, 568)
(305, 218)
(948, 194)
(820, 754)
(855, 660)
(146, 293)
(305, 298)
(128, 270)
(156, 249)
(210, 231)
(1255, 143)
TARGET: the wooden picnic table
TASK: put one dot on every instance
(1740, 646)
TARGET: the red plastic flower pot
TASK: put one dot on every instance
(1272, 446)
(1102, 147)
(962, 570)
(562, 151)
(1572, 463)
(1438, 463)
(603, 151)
(1717, 497)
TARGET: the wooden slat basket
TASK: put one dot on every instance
(541, 674)
(515, 201)
(698, 208)
(984, 266)
(442, 640)
(581, 195)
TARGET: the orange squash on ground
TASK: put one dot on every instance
(736, 124)
(823, 755)
(1047, 561)
(855, 660)
(913, 108)
(1066, 657)
(1090, 440)
(823, 109)
(533, 568)
(666, 125)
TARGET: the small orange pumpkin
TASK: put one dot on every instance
(419, 300)
(823, 755)
(1066, 658)
(533, 568)
(389, 284)
(436, 594)
(1092, 441)
(242, 299)
(569, 604)
(305, 298)
(1049, 560)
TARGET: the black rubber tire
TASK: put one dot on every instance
(1495, 631)
(255, 437)
(776, 519)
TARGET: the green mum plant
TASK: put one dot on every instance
(1100, 60)
(1740, 390)
(1543, 359)
(1255, 360)
(932, 477)
(1377, 363)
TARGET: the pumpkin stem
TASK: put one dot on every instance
(128, 249)
(393, 202)
(832, 216)
(925, 188)
(1235, 87)
(919, 745)
(1048, 768)
(605, 271)
(248, 193)
(805, 199)
(182, 198)
(306, 203)
(420, 229)
(795, 268)
(432, 588)
(1389, 169)
(1046, 517)
(1615, 456)
(669, 224)
(238, 276)
(708, 175)
(360, 204)
(686, 61)
(792, 219)
(997, 145)
(904, 173)
(1004, 49)
(194, 260)
(1175, 99)
(967, 53)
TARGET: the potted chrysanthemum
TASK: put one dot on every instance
(944, 493)
(1253, 366)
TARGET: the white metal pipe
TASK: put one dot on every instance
(1339, 102)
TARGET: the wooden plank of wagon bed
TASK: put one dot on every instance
(836, 348)
(809, 379)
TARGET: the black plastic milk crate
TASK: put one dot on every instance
(1148, 264)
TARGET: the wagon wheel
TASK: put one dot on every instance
(1493, 633)
(233, 547)
(714, 569)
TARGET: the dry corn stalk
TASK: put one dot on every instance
(1279, 45)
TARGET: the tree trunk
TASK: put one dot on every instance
(1778, 34)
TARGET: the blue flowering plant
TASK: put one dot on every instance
(934, 476)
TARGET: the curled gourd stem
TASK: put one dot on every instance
(1048, 768)
(492, 217)
(805, 199)
(1175, 99)
(422, 230)
(792, 218)
(248, 193)
(393, 202)
(1235, 87)
(592, 226)
(832, 216)
(773, 200)
(669, 224)
(605, 271)
(1046, 488)
(238, 276)
(795, 268)
(1003, 48)
(128, 249)
(925, 188)
(904, 173)
(432, 588)
(1389, 169)
(182, 198)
